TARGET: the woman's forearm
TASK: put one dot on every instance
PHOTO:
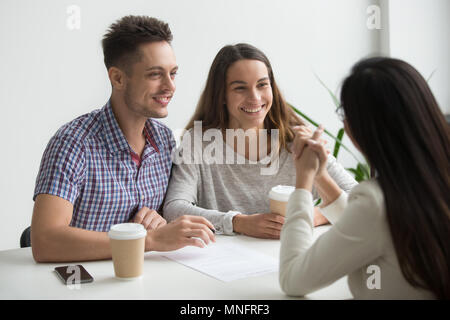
(327, 188)
(222, 221)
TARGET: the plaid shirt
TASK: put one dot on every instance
(89, 163)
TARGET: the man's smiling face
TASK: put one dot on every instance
(150, 84)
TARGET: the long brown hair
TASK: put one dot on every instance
(211, 109)
(395, 119)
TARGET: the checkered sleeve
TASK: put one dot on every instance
(62, 169)
(172, 142)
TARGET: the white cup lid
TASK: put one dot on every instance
(127, 231)
(281, 193)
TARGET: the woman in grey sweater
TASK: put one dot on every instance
(237, 147)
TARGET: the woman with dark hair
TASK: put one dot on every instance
(393, 237)
(241, 102)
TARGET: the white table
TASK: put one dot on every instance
(22, 278)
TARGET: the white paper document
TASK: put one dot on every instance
(226, 262)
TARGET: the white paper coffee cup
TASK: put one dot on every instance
(127, 241)
(278, 198)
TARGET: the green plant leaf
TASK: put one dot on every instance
(333, 97)
(365, 170)
(338, 144)
(353, 170)
(358, 173)
(325, 130)
(303, 115)
(432, 73)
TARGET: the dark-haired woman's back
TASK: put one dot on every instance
(393, 238)
(359, 244)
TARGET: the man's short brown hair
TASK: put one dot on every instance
(123, 38)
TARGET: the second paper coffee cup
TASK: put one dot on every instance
(127, 242)
(278, 198)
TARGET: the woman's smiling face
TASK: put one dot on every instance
(248, 94)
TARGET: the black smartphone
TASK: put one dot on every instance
(74, 274)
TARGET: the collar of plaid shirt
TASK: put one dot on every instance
(116, 141)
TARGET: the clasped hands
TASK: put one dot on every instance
(310, 157)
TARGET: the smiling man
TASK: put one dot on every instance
(113, 165)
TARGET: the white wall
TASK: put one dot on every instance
(419, 32)
(51, 74)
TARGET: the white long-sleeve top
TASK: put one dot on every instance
(359, 245)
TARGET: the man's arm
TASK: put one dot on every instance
(53, 240)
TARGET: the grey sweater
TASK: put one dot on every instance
(220, 191)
